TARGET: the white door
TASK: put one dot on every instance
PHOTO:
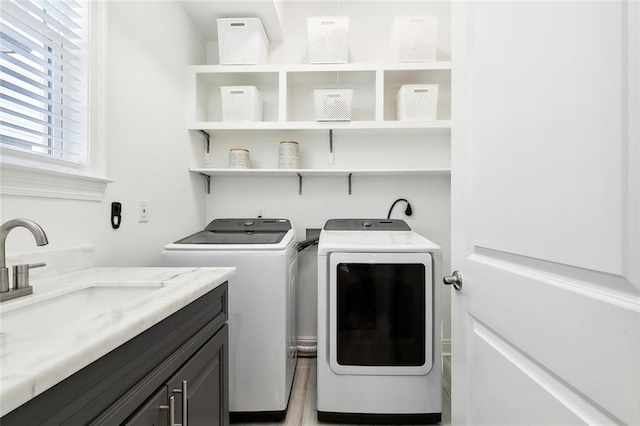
(545, 189)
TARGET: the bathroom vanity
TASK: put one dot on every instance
(153, 342)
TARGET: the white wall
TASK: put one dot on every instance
(149, 150)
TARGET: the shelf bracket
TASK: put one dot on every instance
(207, 178)
(299, 183)
(350, 174)
(208, 140)
(330, 141)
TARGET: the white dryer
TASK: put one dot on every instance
(379, 324)
(262, 313)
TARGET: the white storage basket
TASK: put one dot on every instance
(416, 102)
(241, 103)
(415, 38)
(333, 104)
(242, 41)
(328, 38)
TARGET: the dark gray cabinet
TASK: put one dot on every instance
(199, 385)
(130, 384)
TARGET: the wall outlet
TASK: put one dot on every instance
(143, 211)
(260, 211)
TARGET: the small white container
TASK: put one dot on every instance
(288, 148)
(328, 39)
(333, 104)
(241, 103)
(417, 102)
(239, 158)
(242, 41)
(415, 38)
(288, 155)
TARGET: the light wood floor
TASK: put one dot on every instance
(302, 404)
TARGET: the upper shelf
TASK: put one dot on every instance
(263, 68)
(319, 125)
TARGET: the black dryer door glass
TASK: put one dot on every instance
(381, 314)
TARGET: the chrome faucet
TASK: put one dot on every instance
(21, 285)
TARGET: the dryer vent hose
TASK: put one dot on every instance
(308, 351)
(307, 243)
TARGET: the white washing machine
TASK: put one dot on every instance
(262, 315)
(379, 324)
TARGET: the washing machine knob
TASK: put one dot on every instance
(249, 223)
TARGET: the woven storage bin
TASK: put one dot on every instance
(328, 38)
(242, 41)
(417, 102)
(241, 103)
(415, 38)
(333, 104)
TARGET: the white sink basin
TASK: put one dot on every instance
(44, 314)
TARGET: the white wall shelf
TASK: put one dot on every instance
(287, 93)
(315, 172)
(316, 125)
(302, 173)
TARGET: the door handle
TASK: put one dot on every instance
(455, 280)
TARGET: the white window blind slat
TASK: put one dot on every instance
(48, 16)
(31, 82)
(19, 105)
(68, 82)
(47, 45)
(22, 133)
(66, 7)
(20, 117)
(43, 86)
(20, 15)
(52, 105)
(40, 150)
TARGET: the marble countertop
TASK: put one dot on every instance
(32, 362)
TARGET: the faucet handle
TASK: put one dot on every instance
(21, 274)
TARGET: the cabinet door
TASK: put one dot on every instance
(151, 414)
(205, 377)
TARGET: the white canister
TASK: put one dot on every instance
(289, 162)
(238, 158)
(288, 148)
(288, 157)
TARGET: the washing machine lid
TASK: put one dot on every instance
(246, 231)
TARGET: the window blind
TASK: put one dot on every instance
(43, 71)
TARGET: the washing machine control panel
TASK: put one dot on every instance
(254, 224)
(366, 225)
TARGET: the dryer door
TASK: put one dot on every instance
(381, 313)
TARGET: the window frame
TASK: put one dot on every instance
(24, 174)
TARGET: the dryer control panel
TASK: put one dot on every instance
(366, 225)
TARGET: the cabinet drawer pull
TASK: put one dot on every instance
(183, 391)
(172, 410)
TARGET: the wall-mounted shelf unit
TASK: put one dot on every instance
(302, 173)
(317, 125)
(287, 93)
